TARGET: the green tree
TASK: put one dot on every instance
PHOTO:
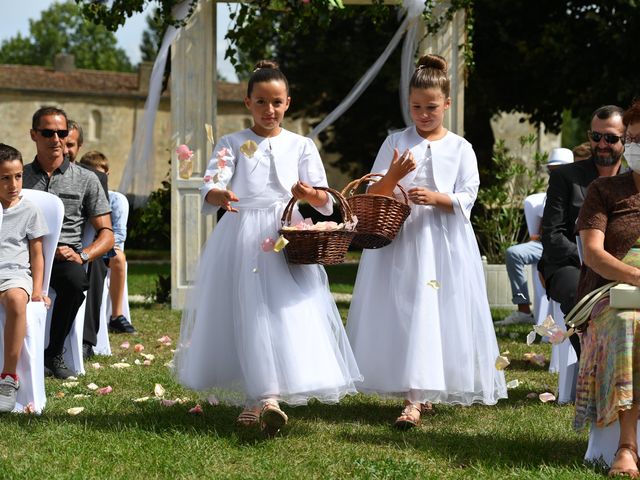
(62, 29)
(152, 36)
(547, 57)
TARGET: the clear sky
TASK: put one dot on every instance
(16, 20)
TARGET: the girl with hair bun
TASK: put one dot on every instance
(419, 323)
(257, 331)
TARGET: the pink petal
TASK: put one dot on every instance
(268, 244)
(183, 152)
(138, 348)
(29, 408)
(165, 340)
(547, 397)
(196, 410)
(124, 345)
(167, 403)
(104, 390)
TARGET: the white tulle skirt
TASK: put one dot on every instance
(256, 327)
(420, 324)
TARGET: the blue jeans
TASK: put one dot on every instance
(516, 257)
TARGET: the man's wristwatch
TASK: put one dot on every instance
(84, 256)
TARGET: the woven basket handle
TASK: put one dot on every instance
(355, 184)
(345, 209)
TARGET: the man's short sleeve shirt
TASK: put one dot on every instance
(80, 192)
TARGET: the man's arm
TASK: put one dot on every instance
(557, 247)
(104, 240)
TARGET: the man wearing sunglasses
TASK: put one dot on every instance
(560, 263)
(83, 199)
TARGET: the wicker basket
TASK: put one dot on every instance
(379, 217)
(317, 246)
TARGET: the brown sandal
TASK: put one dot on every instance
(409, 418)
(248, 418)
(272, 419)
(625, 472)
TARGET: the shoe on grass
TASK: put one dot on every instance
(58, 367)
(8, 390)
(517, 318)
(120, 324)
(87, 351)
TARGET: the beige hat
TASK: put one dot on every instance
(560, 156)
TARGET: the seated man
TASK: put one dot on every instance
(118, 323)
(529, 253)
(84, 200)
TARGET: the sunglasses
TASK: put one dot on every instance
(610, 138)
(48, 133)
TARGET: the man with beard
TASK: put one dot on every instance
(560, 263)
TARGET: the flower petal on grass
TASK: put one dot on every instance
(146, 363)
(148, 356)
(137, 361)
(502, 362)
(165, 402)
(29, 408)
(158, 390)
(547, 397)
(120, 365)
(138, 347)
(93, 386)
(96, 366)
(81, 395)
(59, 395)
(532, 395)
(124, 345)
(75, 410)
(105, 390)
(69, 384)
(141, 399)
(165, 340)
(197, 410)
(213, 400)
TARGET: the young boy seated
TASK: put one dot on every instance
(118, 322)
(21, 267)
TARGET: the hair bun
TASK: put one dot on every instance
(432, 61)
(266, 64)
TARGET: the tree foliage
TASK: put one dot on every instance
(547, 57)
(62, 29)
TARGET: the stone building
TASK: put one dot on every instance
(106, 104)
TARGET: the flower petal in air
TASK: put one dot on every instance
(557, 337)
(209, 129)
(502, 362)
(75, 410)
(248, 148)
(513, 384)
(433, 284)
(280, 244)
(268, 244)
(547, 397)
(531, 337)
(184, 153)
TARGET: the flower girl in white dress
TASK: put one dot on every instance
(257, 331)
(419, 324)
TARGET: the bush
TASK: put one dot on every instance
(499, 216)
(149, 227)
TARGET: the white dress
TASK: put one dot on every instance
(419, 323)
(255, 326)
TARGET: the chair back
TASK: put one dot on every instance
(53, 211)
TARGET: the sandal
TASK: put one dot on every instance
(272, 419)
(248, 418)
(409, 418)
(625, 472)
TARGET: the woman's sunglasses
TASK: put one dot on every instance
(610, 138)
(48, 133)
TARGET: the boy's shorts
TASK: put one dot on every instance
(25, 283)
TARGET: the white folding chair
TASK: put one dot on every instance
(103, 347)
(73, 343)
(31, 363)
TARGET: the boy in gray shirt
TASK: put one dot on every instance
(21, 267)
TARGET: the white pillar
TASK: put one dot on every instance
(193, 103)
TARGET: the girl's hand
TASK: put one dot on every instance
(422, 196)
(401, 165)
(38, 297)
(302, 191)
(222, 198)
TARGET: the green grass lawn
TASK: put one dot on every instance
(115, 437)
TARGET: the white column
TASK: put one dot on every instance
(193, 103)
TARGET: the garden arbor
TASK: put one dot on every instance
(193, 104)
